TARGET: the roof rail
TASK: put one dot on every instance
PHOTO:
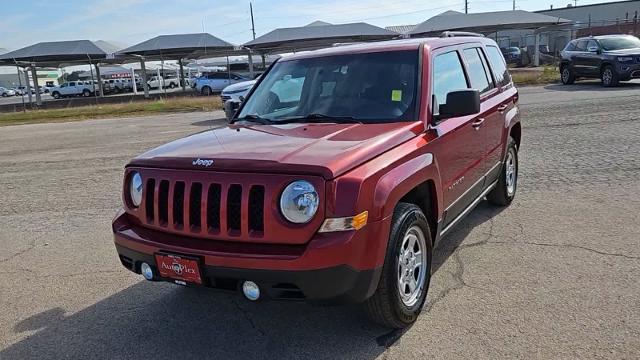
(446, 34)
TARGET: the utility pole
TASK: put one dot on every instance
(514, 5)
(466, 6)
(253, 25)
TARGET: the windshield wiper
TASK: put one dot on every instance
(320, 118)
(254, 118)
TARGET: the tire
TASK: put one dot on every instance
(388, 306)
(172, 85)
(4, 95)
(505, 190)
(86, 93)
(56, 95)
(206, 91)
(609, 76)
(566, 75)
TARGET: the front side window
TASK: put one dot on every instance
(370, 87)
(581, 45)
(592, 44)
(478, 73)
(448, 76)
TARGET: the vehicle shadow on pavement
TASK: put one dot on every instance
(160, 320)
(592, 86)
(483, 213)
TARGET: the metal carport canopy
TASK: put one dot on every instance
(317, 35)
(54, 54)
(488, 22)
(179, 46)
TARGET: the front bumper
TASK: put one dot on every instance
(628, 71)
(341, 267)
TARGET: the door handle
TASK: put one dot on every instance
(503, 107)
(476, 124)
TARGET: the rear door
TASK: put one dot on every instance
(491, 119)
(459, 147)
(504, 104)
(580, 58)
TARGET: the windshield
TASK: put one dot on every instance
(371, 87)
(619, 43)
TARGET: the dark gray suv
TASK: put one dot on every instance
(611, 58)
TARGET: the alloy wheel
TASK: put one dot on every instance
(412, 265)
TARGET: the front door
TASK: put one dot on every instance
(460, 144)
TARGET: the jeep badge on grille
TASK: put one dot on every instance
(202, 162)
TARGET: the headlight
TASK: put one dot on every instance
(625, 58)
(135, 189)
(299, 202)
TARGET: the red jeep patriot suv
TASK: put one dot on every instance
(334, 180)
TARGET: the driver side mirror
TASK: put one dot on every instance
(459, 103)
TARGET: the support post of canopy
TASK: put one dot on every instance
(251, 74)
(145, 86)
(34, 75)
(100, 84)
(183, 83)
(26, 79)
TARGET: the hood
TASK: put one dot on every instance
(327, 150)
(239, 86)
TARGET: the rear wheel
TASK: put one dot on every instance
(404, 282)
(86, 93)
(505, 190)
(609, 76)
(566, 75)
(206, 91)
(56, 95)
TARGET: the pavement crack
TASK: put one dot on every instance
(567, 246)
(248, 317)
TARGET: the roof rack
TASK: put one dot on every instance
(446, 34)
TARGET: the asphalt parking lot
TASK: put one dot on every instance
(555, 275)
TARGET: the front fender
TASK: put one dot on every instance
(398, 182)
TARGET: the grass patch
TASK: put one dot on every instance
(137, 108)
(548, 75)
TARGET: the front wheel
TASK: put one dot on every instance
(172, 85)
(505, 190)
(609, 77)
(404, 282)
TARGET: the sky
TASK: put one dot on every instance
(128, 22)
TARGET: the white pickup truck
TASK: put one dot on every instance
(73, 88)
(155, 82)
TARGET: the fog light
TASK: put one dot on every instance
(146, 271)
(251, 290)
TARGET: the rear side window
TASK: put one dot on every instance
(480, 79)
(448, 76)
(571, 46)
(496, 60)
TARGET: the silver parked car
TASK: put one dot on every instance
(4, 92)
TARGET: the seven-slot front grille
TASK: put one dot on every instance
(179, 205)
